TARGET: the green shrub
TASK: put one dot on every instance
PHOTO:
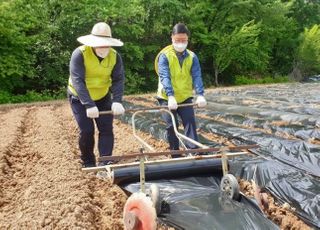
(32, 96)
(4, 97)
(247, 80)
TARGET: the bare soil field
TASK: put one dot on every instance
(41, 182)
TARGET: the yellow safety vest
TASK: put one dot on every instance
(97, 74)
(181, 78)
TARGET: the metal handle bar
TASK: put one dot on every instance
(179, 135)
(165, 153)
(148, 109)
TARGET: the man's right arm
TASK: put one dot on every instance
(77, 73)
(164, 74)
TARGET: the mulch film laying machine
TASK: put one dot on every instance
(141, 208)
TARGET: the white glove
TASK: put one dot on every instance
(93, 112)
(172, 103)
(117, 108)
(201, 101)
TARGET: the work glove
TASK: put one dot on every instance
(172, 103)
(93, 112)
(201, 101)
(117, 108)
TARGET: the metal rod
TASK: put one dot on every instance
(135, 133)
(148, 109)
(224, 160)
(164, 153)
(179, 134)
(189, 158)
(142, 173)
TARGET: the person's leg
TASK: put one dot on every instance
(86, 137)
(189, 123)
(171, 136)
(105, 127)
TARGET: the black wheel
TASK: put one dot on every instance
(229, 186)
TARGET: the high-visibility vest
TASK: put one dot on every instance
(181, 78)
(97, 74)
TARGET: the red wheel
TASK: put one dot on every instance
(139, 213)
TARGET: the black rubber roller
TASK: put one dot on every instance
(167, 170)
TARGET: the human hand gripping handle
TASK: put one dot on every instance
(172, 103)
(117, 108)
(201, 101)
(93, 112)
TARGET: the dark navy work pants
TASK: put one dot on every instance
(87, 129)
(188, 120)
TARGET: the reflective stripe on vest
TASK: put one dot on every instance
(97, 74)
(181, 78)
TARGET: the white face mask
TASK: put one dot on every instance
(102, 52)
(180, 47)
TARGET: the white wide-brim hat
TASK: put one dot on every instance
(100, 36)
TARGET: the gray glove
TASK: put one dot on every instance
(93, 112)
(172, 103)
(117, 108)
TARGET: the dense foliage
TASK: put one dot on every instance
(253, 38)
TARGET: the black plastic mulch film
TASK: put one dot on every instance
(289, 168)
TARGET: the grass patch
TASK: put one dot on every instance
(32, 96)
(247, 80)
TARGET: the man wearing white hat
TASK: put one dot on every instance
(96, 83)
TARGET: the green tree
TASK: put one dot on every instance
(231, 37)
(161, 16)
(240, 47)
(227, 37)
(309, 51)
(305, 12)
(266, 44)
(18, 23)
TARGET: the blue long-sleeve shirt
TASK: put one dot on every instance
(165, 77)
(77, 73)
